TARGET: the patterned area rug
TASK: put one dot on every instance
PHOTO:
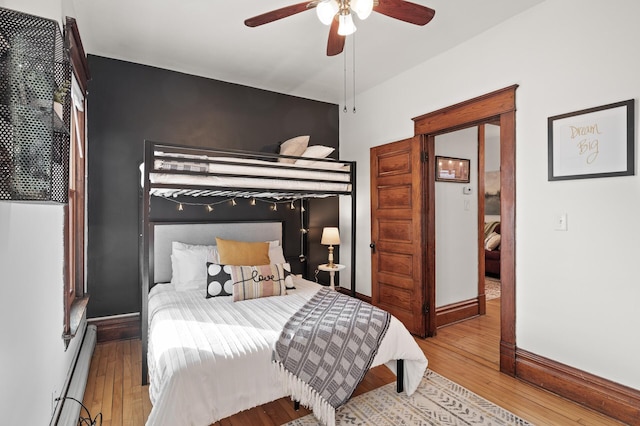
(491, 288)
(437, 401)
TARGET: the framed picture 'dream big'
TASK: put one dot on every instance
(591, 143)
(449, 169)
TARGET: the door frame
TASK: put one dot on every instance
(498, 106)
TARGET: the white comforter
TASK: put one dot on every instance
(211, 358)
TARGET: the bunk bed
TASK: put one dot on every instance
(171, 171)
(178, 171)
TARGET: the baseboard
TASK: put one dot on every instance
(360, 296)
(120, 327)
(457, 312)
(610, 398)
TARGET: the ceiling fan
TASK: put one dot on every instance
(339, 14)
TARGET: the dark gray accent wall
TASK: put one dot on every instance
(128, 103)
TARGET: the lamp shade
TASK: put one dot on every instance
(346, 26)
(326, 10)
(330, 236)
(363, 8)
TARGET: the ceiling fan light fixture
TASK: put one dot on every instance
(362, 8)
(346, 27)
(326, 11)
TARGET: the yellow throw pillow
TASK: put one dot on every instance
(242, 253)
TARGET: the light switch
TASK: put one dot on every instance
(561, 222)
(467, 204)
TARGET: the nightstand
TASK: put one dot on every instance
(332, 272)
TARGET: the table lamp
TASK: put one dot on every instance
(330, 237)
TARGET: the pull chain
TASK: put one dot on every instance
(345, 82)
(353, 51)
(354, 73)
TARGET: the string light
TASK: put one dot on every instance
(303, 232)
(273, 206)
(209, 206)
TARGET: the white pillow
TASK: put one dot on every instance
(327, 165)
(276, 255)
(294, 146)
(212, 250)
(315, 151)
(188, 264)
(492, 241)
(174, 270)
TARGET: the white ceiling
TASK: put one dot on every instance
(208, 38)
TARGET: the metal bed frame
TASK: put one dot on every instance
(156, 150)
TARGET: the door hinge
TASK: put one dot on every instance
(425, 156)
(425, 308)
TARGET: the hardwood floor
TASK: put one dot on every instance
(466, 353)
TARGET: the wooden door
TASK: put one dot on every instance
(397, 212)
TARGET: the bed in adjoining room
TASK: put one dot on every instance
(220, 309)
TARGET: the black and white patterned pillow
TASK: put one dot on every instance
(219, 281)
(288, 280)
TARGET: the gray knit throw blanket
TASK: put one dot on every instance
(326, 348)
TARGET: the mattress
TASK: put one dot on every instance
(316, 170)
(245, 183)
(245, 173)
(211, 358)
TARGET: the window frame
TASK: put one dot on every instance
(74, 295)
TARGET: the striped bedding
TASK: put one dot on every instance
(244, 183)
(211, 358)
(247, 173)
(244, 166)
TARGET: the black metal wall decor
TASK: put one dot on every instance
(34, 138)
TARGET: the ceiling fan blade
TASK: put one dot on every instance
(284, 12)
(405, 11)
(335, 45)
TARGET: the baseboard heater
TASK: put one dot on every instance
(70, 409)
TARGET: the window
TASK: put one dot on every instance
(75, 300)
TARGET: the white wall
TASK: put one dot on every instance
(33, 360)
(457, 223)
(45, 8)
(491, 148)
(577, 291)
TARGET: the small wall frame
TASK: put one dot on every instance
(449, 169)
(592, 143)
